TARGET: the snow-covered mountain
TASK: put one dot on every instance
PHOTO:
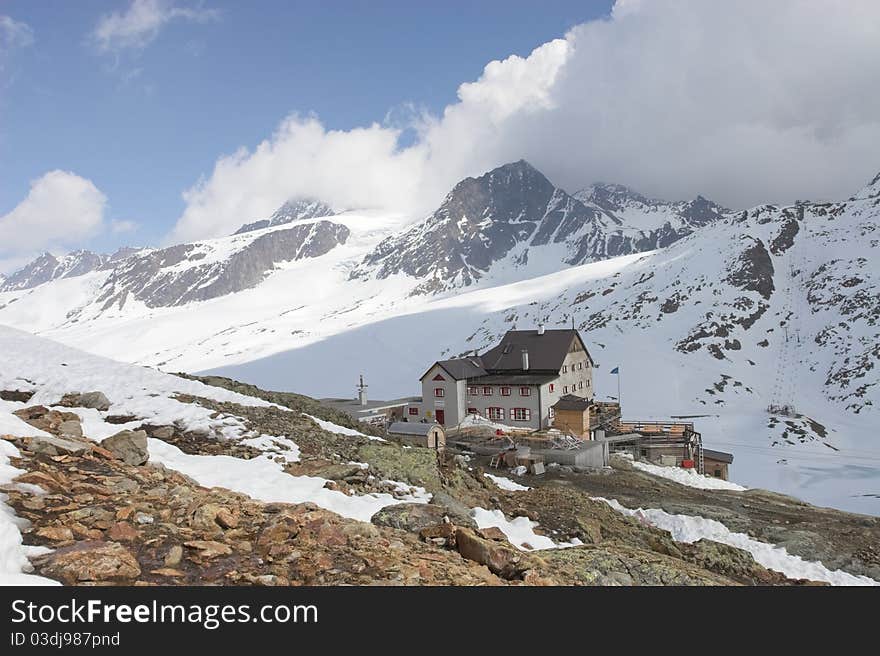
(771, 306)
(293, 210)
(196, 272)
(651, 222)
(513, 215)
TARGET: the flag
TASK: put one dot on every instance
(616, 370)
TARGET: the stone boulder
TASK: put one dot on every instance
(94, 400)
(502, 558)
(128, 446)
(412, 517)
(55, 446)
(90, 561)
(458, 513)
(51, 421)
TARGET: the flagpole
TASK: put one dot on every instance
(619, 400)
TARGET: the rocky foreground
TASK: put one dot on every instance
(111, 516)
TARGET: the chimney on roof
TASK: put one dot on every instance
(362, 391)
(540, 328)
(525, 359)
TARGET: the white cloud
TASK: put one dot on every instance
(14, 34)
(60, 210)
(137, 26)
(742, 102)
(123, 226)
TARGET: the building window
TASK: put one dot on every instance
(495, 413)
(565, 368)
(580, 365)
(438, 391)
(565, 390)
(581, 385)
(487, 391)
(552, 387)
(413, 411)
(438, 377)
(473, 391)
(525, 391)
(521, 414)
(552, 414)
(505, 391)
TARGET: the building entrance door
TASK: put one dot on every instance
(441, 417)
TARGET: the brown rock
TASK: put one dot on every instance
(226, 519)
(123, 531)
(125, 513)
(174, 556)
(209, 548)
(501, 558)
(56, 533)
(167, 571)
(492, 533)
(90, 561)
(43, 480)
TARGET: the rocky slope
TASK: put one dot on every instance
(95, 515)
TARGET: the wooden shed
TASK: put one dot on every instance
(414, 433)
(572, 414)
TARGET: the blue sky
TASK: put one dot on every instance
(144, 124)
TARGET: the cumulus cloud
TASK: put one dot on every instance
(137, 26)
(60, 210)
(744, 102)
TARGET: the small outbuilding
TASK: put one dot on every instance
(414, 433)
(716, 463)
(572, 414)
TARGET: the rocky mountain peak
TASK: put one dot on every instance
(47, 267)
(612, 197)
(872, 190)
(297, 209)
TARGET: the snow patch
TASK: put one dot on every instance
(519, 530)
(688, 528)
(506, 484)
(688, 477)
(330, 427)
(263, 479)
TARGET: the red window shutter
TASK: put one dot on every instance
(551, 387)
(438, 391)
(414, 411)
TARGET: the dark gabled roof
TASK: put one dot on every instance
(411, 428)
(572, 402)
(546, 352)
(513, 379)
(720, 456)
(460, 368)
